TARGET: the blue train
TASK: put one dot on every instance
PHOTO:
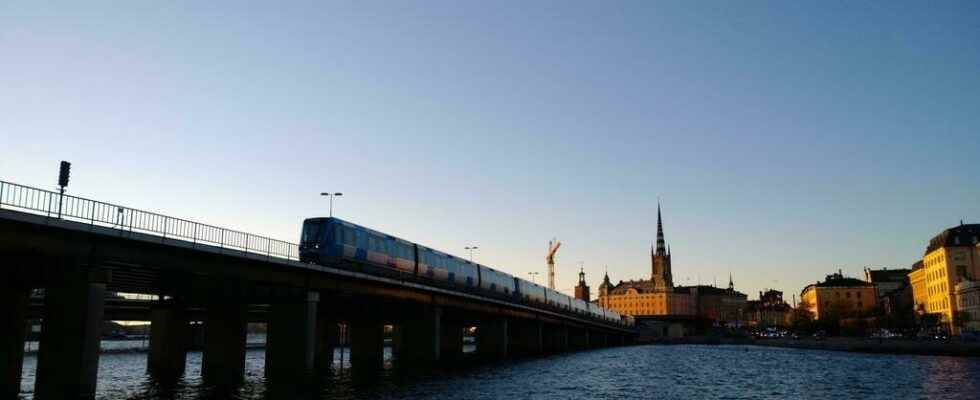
(335, 242)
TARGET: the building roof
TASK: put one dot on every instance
(838, 280)
(887, 275)
(641, 286)
(917, 265)
(962, 235)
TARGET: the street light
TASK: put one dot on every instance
(331, 196)
(471, 248)
(532, 274)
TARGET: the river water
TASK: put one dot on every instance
(638, 372)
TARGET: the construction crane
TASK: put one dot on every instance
(553, 246)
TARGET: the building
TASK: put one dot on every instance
(967, 294)
(658, 296)
(893, 288)
(645, 297)
(582, 290)
(839, 294)
(950, 258)
(769, 311)
(917, 280)
(724, 306)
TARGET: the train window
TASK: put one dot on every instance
(311, 231)
(349, 238)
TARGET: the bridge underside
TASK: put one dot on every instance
(223, 290)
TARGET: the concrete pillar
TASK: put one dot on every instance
(492, 340)
(451, 341)
(13, 326)
(224, 344)
(559, 339)
(526, 338)
(170, 337)
(291, 340)
(579, 339)
(421, 337)
(68, 355)
(327, 338)
(367, 344)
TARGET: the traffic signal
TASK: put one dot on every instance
(63, 175)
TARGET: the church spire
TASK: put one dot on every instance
(661, 246)
(731, 285)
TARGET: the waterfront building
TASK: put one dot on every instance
(658, 296)
(582, 289)
(951, 257)
(917, 280)
(893, 287)
(769, 310)
(848, 296)
(967, 294)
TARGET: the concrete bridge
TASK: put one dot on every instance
(77, 249)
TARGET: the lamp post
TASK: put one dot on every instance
(471, 248)
(331, 196)
(532, 275)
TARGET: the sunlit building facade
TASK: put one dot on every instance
(950, 258)
(849, 296)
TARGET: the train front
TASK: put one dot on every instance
(311, 240)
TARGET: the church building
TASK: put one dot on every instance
(658, 295)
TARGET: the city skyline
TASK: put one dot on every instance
(786, 144)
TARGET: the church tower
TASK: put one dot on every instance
(660, 259)
(604, 289)
(582, 290)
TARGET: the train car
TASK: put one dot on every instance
(558, 299)
(530, 292)
(441, 267)
(595, 311)
(580, 306)
(331, 240)
(497, 282)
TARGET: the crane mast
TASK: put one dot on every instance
(553, 246)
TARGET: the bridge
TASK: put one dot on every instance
(77, 249)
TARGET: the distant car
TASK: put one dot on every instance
(819, 335)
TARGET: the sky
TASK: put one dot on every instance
(784, 140)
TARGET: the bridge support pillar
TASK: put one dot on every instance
(451, 344)
(557, 339)
(291, 339)
(492, 340)
(224, 344)
(13, 326)
(367, 345)
(579, 339)
(170, 337)
(527, 338)
(68, 355)
(327, 337)
(421, 337)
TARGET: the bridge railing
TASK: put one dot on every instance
(125, 219)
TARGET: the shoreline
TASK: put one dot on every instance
(846, 344)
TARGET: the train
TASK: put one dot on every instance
(334, 242)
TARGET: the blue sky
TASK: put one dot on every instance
(786, 140)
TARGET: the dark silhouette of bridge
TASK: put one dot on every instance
(77, 249)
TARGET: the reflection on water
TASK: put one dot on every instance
(664, 372)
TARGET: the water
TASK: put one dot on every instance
(662, 372)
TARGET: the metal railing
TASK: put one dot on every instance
(125, 219)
